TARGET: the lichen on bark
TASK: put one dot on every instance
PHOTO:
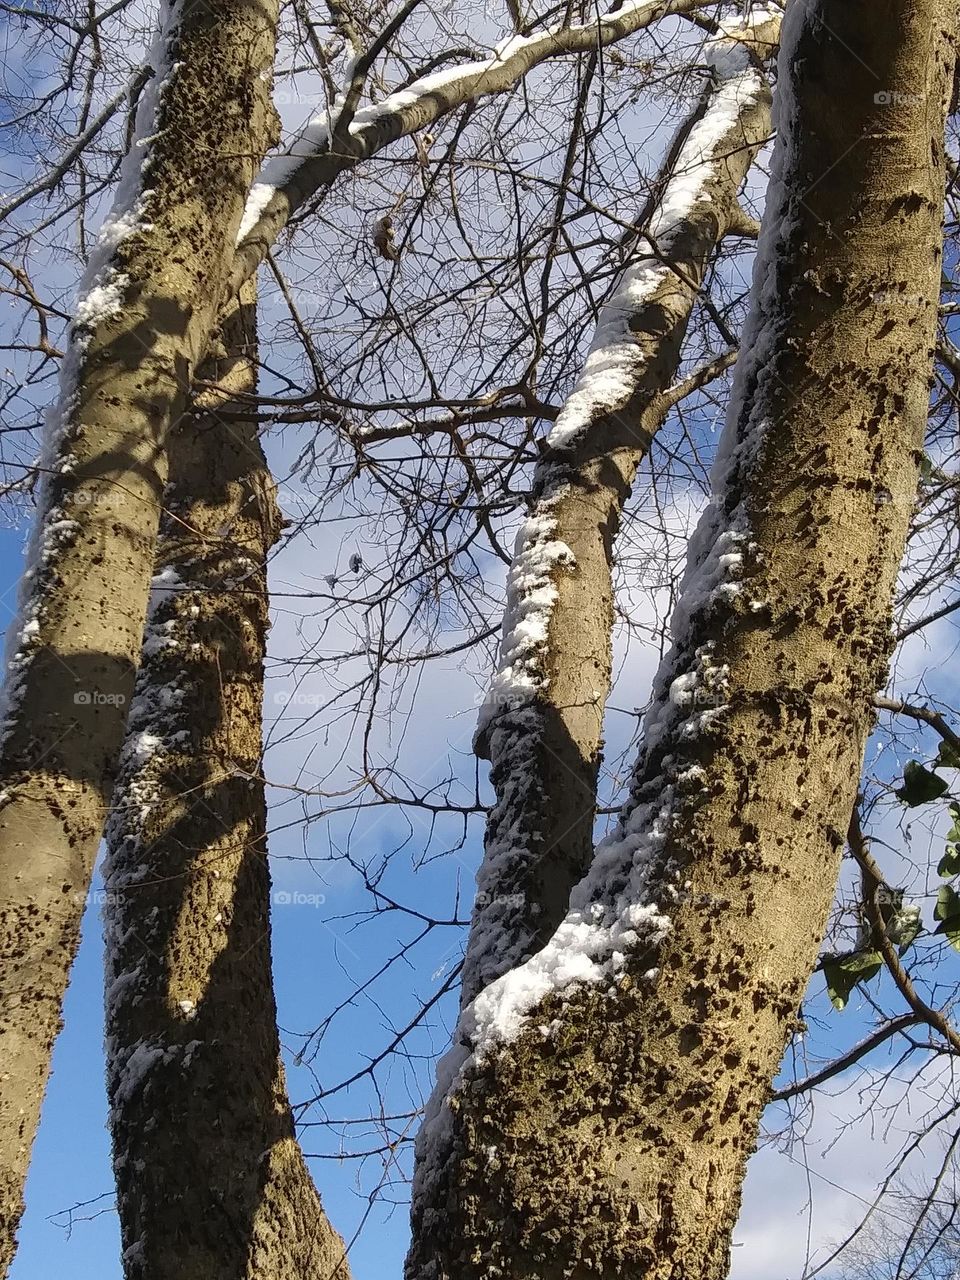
(134, 346)
(608, 1134)
(211, 1181)
(541, 729)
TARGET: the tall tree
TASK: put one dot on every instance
(211, 1181)
(149, 298)
(167, 256)
(434, 320)
(147, 305)
(597, 1113)
(542, 722)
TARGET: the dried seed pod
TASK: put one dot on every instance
(383, 239)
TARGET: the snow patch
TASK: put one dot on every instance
(584, 950)
(102, 301)
(316, 133)
(531, 595)
(616, 358)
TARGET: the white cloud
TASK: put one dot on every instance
(802, 1199)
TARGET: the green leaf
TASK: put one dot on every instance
(929, 471)
(948, 904)
(904, 927)
(947, 911)
(948, 757)
(842, 973)
(920, 785)
(949, 864)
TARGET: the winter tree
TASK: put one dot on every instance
(503, 297)
(914, 1234)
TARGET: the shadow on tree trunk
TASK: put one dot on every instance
(211, 1181)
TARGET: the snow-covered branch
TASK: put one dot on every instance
(541, 722)
(309, 163)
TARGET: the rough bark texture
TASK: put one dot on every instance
(75, 664)
(545, 750)
(608, 1136)
(211, 1181)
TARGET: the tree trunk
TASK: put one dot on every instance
(542, 722)
(596, 1116)
(147, 306)
(211, 1181)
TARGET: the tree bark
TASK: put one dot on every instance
(541, 726)
(148, 303)
(211, 1182)
(596, 1116)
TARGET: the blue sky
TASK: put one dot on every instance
(317, 961)
(321, 955)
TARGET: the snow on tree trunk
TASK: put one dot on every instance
(147, 304)
(596, 1114)
(211, 1181)
(542, 720)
